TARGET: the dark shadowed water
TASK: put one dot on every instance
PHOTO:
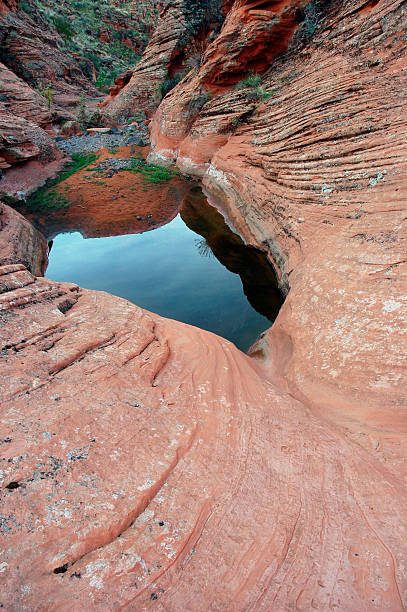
(194, 269)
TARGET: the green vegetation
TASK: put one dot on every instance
(47, 197)
(264, 94)
(46, 92)
(63, 27)
(312, 14)
(251, 80)
(170, 83)
(106, 78)
(151, 172)
(92, 31)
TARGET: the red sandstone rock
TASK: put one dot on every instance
(99, 130)
(20, 243)
(30, 151)
(7, 5)
(71, 128)
(315, 176)
(19, 99)
(119, 84)
(151, 464)
(33, 54)
(167, 54)
(154, 460)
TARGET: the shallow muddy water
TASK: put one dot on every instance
(193, 269)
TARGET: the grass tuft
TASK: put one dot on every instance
(151, 172)
(47, 197)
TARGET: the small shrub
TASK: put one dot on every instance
(25, 6)
(311, 19)
(170, 83)
(151, 172)
(87, 117)
(252, 80)
(63, 27)
(263, 94)
(106, 78)
(46, 92)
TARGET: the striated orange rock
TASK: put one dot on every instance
(148, 463)
(315, 175)
(20, 243)
(8, 5)
(19, 99)
(29, 156)
(197, 117)
(119, 84)
(168, 54)
(32, 53)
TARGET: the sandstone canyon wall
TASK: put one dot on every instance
(315, 175)
(176, 45)
(51, 57)
(147, 464)
(151, 465)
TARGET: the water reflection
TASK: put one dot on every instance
(257, 275)
(171, 271)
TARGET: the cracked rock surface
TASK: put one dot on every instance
(146, 463)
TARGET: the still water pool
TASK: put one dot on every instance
(194, 269)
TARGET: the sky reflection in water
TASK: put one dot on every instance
(163, 271)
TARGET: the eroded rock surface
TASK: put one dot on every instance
(33, 53)
(20, 242)
(315, 175)
(146, 463)
(175, 46)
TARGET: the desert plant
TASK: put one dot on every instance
(106, 78)
(312, 16)
(251, 80)
(46, 92)
(63, 27)
(151, 172)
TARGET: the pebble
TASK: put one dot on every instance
(95, 142)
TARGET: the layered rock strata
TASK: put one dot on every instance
(20, 243)
(149, 464)
(174, 48)
(315, 175)
(146, 463)
(33, 53)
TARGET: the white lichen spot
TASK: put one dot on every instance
(147, 485)
(96, 582)
(391, 305)
(3, 567)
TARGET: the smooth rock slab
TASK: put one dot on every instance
(146, 463)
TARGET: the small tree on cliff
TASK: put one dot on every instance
(46, 92)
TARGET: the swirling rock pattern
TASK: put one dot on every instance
(150, 465)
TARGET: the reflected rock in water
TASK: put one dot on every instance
(257, 274)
